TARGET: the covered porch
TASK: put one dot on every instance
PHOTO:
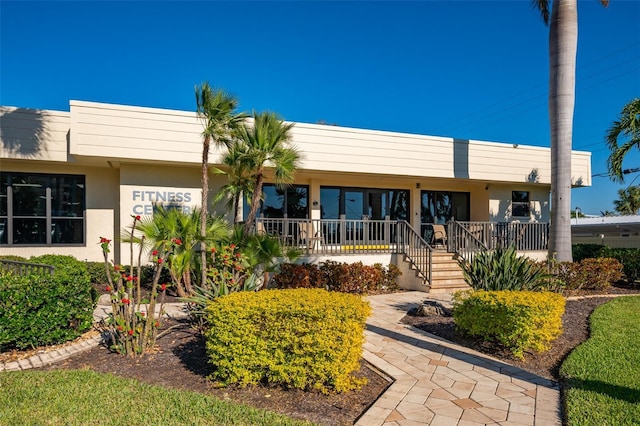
(429, 252)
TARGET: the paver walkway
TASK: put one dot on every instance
(435, 382)
(440, 383)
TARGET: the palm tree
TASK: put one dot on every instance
(181, 229)
(628, 201)
(239, 181)
(627, 125)
(265, 145)
(563, 46)
(217, 110)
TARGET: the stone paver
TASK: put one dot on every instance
(434, 381)
(453, 385)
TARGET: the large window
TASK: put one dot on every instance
(41, 209)
(364, 203)
(291, 202)
(440, 206)
(520, 204)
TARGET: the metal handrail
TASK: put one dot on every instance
(25, 268)
(523, 236)
(464, 242)
(416, 250)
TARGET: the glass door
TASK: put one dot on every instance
(354, 213)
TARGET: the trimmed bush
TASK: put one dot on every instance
(291, 275)
(584, 251)
(40, 310)
(628, 257)
(335, 276)
(589, 274)
(64, 265)
(297, 338)
(503, 269)
(519, 320)
(13, 257)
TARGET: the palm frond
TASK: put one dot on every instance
(543, 7)
(627, 126)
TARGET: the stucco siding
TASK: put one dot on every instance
(500, 203)
(33, 134)
(136, 133)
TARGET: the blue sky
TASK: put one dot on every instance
(465, 69)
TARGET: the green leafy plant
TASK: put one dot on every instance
(171, 224)
(43, 309)
(13, 257)
(630, 259)
(503, 269)
(64, 265)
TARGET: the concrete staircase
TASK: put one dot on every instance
(446, 277)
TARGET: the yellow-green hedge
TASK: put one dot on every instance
(299, 338)
(520, 320)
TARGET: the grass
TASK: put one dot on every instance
(79, 397)
(603, 374)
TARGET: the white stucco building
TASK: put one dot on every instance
(69, 178)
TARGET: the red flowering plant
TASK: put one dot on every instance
(133, 323)
(228, 271)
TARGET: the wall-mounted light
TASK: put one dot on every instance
(315, 204)
(486, 187)
(417, 185)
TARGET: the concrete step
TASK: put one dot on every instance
(447, 280)
(437, 273)
(448, 288)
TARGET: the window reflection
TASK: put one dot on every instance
(291, 202)
(440, 206)
(44, 209)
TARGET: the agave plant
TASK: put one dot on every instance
(503, 269)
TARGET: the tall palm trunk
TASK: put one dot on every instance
(204, 210)
(255, 202)
(237, 199)
(563, 46)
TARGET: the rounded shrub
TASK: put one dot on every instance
(519, 320)
(296, 338)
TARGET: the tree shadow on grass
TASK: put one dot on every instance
(607, 389)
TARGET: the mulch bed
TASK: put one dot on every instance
(180, 361)
(575, 323)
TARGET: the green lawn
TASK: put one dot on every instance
(71, 397)
(603, 374)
